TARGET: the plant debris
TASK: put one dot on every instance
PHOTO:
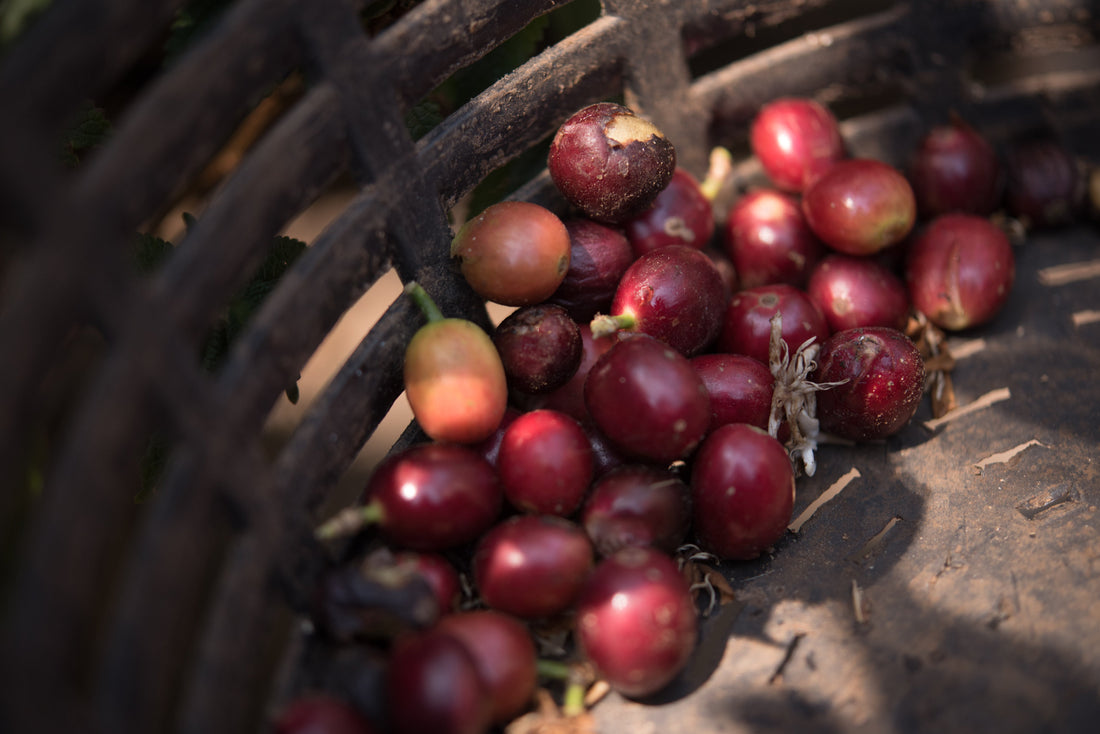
(990, 398)
(1039, 503)
(547, 718)
(1004, 456)
(939, 361)
(834, 489)
(859, 603)
(792, 644)
(1069, 273)
(1088, 316)
(873, 543)
(794, 401)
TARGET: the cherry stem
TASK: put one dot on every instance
(606, 325)
(423, 301)
(553, 669)
(349, 521)
(573, 700)
(721, 166)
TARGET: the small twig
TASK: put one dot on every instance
(791, 645)
(875, 540)
(991, 397)
(596, 692)
(1037, 504)
(1069, 273)
(1004, 456)
(967, 348)
(858, 603)
(834, 489)
(1081, 318)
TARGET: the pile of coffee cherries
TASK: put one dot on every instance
(662, 381)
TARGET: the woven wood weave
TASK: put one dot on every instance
(173, 614)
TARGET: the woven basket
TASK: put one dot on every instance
(176, 611)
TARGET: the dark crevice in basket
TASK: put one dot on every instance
(491, 129)
(290, 167)
(840, 62)
(657, 78)
(351, 407)
(436, 39)
(188, 491)
(70, 35)
(732, 31)
(172, 130)
(344, 261)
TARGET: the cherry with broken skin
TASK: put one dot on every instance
(881, 376)
(609, 162)
(960, 270)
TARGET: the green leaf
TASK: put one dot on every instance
(292, 393)
(509, 177)
(16, 15)
(150, 252)
(190, 21)
(284, 251)
(153, 462)
(89, 130)
(423, 117)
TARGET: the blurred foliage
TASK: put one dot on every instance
(231, 323)
(150, 253)
(190, 21)
(380, 14)
(16, 15)
(88, 131)
(467, 83)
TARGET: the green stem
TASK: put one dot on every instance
(553, 669)
(721, 165)
(350, 521)
(423, 301)
(572, 703)
(605, 325)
